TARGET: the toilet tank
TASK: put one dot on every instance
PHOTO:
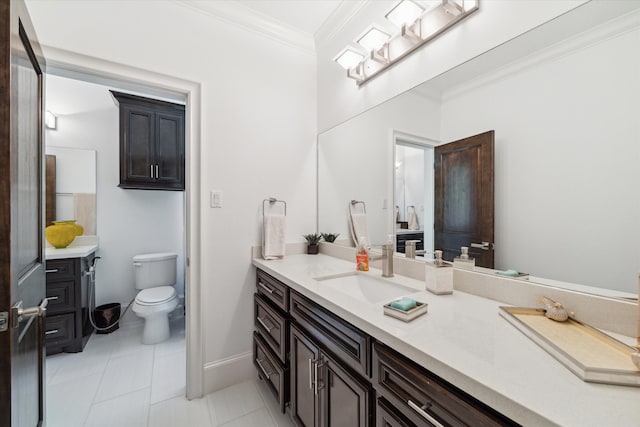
(151, 270)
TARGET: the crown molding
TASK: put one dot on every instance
(608, 30)
(249, 19)
(338, 19)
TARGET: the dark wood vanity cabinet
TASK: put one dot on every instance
(401, 240)
(323, 391)
(411, 395)
(336, 375)
(152, 143)
(67, 325)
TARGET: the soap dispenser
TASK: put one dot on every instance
(362, 256)
(464, 261)
(438, 275)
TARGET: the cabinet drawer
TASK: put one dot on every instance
(61, 269)
(347, 343)
(424, 398)
(272, 326)
(270, 369)
(387, 416)
(61, 296)
(59, 330)
(273, 290)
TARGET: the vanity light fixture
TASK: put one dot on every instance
(351, 61)
(375, 41)
(419, 22)
(50, 120)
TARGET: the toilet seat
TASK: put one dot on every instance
(156, 296)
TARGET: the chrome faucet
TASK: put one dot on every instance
(387, 259)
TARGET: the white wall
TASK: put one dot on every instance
(566, 163)
(496, 21)
(258, 133)
(129, 222)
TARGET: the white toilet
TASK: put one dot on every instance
(155, 275)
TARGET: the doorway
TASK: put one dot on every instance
(127, 223)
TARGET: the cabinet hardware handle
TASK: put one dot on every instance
(151, 171)
(52, 298)
(423, 414)
(55, 270)
(53, 331)
(311, 374)
(264, 371)
(156, 171)
(264, 325)
(316, 383)
(265, 287)
(484, 245)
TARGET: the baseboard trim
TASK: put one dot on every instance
(227, 372)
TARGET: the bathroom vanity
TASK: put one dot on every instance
(460, 364)
(67, 325)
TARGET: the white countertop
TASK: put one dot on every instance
(81, 247)
(463, 339)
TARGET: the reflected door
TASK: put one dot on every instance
(464, 201)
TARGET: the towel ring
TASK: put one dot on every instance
(272, 201)
(356, 202)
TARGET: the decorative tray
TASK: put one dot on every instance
(590, 354)
(408, 315)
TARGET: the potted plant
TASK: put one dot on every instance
(330, 237)
(312, 242)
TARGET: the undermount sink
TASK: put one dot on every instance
(364, 287)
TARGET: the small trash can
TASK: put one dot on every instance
(107, 316)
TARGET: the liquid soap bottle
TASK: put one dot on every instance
(362, 256)
(438, 275)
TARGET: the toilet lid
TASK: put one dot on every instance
(156, 295)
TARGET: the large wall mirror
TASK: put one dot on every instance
(563, 101)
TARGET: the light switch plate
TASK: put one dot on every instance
(216, 198)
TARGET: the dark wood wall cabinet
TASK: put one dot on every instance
(332, 374)
(67, 325)
(152, 138)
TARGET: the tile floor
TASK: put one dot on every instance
(118, 381)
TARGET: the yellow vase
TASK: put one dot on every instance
(62, 233)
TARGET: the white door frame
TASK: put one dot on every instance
(398, 136)
(73, 63)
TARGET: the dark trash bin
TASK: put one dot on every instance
(107, 316)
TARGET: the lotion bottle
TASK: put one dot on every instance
(362, 256)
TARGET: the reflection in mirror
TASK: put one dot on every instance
(75, 186)
(566, 148)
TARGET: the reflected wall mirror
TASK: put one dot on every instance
(562, 100)
(73, 191)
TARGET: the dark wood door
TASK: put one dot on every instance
(22, 276)
(345, 400)
(304, 400)
(464, 198)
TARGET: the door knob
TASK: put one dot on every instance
(485, 246)
(18, 312)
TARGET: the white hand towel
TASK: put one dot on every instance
(85, 211)
(273, 244)
(412, 219)
(359, 228)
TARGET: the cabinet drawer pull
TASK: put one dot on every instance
(53, 331)
(264, 325)
(54, 270)
(264, 371)
(151, 171)
(265, 287)
(423, 414)
(156, 171)
(52, 298)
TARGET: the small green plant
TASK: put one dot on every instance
(312, 239)
(330, 237)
